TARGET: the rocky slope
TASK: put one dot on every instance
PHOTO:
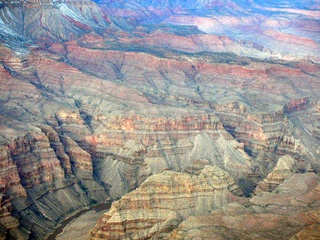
(163, 201)
(282, 29)
(266, 216)
(93, 103)
(169, 199)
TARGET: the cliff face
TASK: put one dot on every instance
(103, 139)
(284, 193)
(91, 105)
(40, 184)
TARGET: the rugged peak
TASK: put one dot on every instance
(220, 179)
(228, 155)
(283, 170)
(285, 163)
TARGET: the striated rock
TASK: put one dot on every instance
(227, 154)
(10, 179)
(283, 170)
(52, 20)
(163, 201)
(58, 148)
(279, 214)
(7, 221)
(80, 160)
(310, 232)
(37, 164)
(138, 151)
(10, 189)
(92, 104)
(119, 127)
(112, 131)
(34, 185)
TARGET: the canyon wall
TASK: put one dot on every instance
(64, 140)
(42, 183)
(94, 105)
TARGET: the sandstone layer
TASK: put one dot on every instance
(93, 101)
(272, 215)
(163, 201)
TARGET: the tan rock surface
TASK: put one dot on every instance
(81, 227)
(283, 170)
(93, 103)
(163, 201)
(292, 207)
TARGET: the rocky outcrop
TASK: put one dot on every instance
(163, 201)
(35, 160)
(10, 188)
(283, 170)
(58, 147)
(267, 216)
(92, 105)
(311, 232)
(39, 187)
(296, 105)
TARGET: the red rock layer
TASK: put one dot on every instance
(36, 161)
(80, 112)
(11, 188)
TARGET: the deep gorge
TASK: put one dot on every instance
(170, 115)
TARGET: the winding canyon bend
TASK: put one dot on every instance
(196, 118)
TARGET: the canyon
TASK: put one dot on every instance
(194, 119)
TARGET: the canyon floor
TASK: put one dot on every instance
(81, 227)
(198, 120)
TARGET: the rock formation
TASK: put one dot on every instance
(39, 186)
(95, 98)
(283, 170)
(163, 201)
(266, 216)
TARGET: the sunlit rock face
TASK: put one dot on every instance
(266, 216)
(163, 201)
(97, 98)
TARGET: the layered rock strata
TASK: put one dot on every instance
(10, 188)
(49, 21)
(112, 134)
(39, 187)
(163, 201)
(284, 169)
(267, 216)
(91, 106)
